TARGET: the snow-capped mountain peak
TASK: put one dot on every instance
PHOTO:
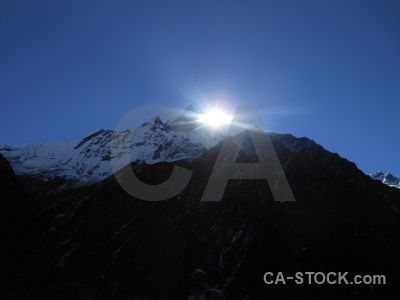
(387, 178)
(89, 160)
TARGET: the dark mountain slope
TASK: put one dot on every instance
(342, 220)
(16, 217)
(18, 235)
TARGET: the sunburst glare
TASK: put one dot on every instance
(215, 118)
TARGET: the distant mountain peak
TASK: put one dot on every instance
(156, 120)
(190, 108)
(187, 120)
(386, 178)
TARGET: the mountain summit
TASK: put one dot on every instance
(387, 178)
(88, 160)
(99, 242)
(187, 121)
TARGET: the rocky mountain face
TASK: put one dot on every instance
(90, 159)
(98, 242)
(388, 179)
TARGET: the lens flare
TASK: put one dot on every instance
(214, 118)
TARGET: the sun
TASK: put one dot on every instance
(215, 118)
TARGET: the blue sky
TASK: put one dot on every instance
(327, 70)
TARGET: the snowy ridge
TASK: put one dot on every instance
(388, 179)
(89, 159)
(94, 157)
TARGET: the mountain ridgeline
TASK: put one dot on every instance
(387, 178)
(98, 242)
(90, 159)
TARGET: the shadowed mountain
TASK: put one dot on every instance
(342, 221)
(16, 217)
